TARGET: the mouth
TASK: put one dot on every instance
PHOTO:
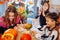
(47, 24)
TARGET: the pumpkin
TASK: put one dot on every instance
(20, 10)
(7, 37)
(30, 3)
(28, 26)
(26, 37)
(9, 34)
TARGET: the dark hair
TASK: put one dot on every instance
(46, 1)
(10, 9)
(53, 16)
(48, 6)
(42, 2)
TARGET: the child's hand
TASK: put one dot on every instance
(33, 33)
(21, 25)
(15, 28)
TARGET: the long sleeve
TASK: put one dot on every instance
(2, 23)
(55, 33)
(2, 26)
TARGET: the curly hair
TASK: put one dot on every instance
(10, 9)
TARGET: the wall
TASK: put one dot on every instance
(55, 4)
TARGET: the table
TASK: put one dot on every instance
(21, 32)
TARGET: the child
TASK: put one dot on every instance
(51, 32)
(42, 13)
(10, 20)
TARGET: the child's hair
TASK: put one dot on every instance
(48, 6)
(46, 1)
(53, 16)
(42, 2)
(10, 9)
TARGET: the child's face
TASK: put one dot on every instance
(11, 16)
(50, 22)
(45, 6)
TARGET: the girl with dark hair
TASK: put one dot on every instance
(52, 28)
(10, 20)
(42, 13)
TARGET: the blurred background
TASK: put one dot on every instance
(54, 5)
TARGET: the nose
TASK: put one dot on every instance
(46, 22)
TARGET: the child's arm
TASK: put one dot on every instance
(2, 23)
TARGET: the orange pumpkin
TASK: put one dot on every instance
(20, 10)
(26, 37)
(7, 37)
(9, 34)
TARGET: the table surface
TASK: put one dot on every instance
(21, 32)
(19, 35)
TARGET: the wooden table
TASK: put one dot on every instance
(19, 35)
(21, 32)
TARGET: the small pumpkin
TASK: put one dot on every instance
(7, 37)
(10, 34)
(20, 10)
(30, 3)
(26, 37)
(12, 31)
(28, 26)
